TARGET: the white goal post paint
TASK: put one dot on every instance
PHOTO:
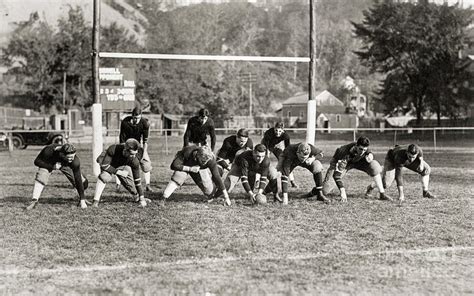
(95, 268)
(125, 55)
(311, 122)
(97, 140)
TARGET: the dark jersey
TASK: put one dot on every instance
(197, 132)
(348, 155)
(246, 163)
(137, 131)
(187, 157)
(50, 155)
(114, 159)
(398, 155)
(230, 147)
(289, 159)
(270, 140)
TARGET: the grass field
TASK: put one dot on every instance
(190, 247)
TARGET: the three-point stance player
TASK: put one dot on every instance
(63, 158)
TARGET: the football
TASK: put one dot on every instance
(260, 199)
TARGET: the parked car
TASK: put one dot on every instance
(24, 138)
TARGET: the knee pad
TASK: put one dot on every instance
(426, 170)
(42, 176)
(375, 168)
(316, 167)
(105, 177)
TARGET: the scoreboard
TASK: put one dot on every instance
(117, 89)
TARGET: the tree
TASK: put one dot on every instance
(416, 46)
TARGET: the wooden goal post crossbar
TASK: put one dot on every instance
(124, 55)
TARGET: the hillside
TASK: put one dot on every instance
(14, 12)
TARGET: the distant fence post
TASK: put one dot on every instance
(166, 141)
(434, 138)
(395, 138)
(354, 135)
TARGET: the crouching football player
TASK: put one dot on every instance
(63, 158)
(194, 161)
(276, 139)
(251, 167)
(355, 155)
(122, 160)
(232, 146)
(411, 157)
(304, 155)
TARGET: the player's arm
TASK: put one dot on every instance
(212, 134)
(145, 134)
(266, 141)
(264, 171)
(122, 135)
(42, 159)
(107, 161)
(250, 144)
(187, 133)
(243, 165)
(222, 158)
(286, 139)
(216, 178)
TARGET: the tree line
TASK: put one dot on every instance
(403, 52)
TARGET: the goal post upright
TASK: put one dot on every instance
(97, 140)
(311, 110)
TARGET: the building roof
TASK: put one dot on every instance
(323, 98)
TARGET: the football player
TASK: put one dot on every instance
(409, 156)
(355, 155)
(194, 161)
(276, 140)
(198, 128)
(307, 156)
(63, 158)
(232, 146)
(122, 160)
(251, 167)
(137, 127)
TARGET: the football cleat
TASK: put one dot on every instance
(95, 204)
(285, 200)
(142, 203)
(307, 195)
(428, 194)
(384, 196)
(149, 189)
(277, 198)
(368, 191)
(32, 205)
(82, 204)
(323, 198)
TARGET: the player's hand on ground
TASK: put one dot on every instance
(194, 169)
(122, 173)
(401, 199)
(252, 197)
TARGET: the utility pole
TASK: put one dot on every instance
(248, 77)
(97, 140)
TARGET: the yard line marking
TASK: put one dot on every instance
(95, 268)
